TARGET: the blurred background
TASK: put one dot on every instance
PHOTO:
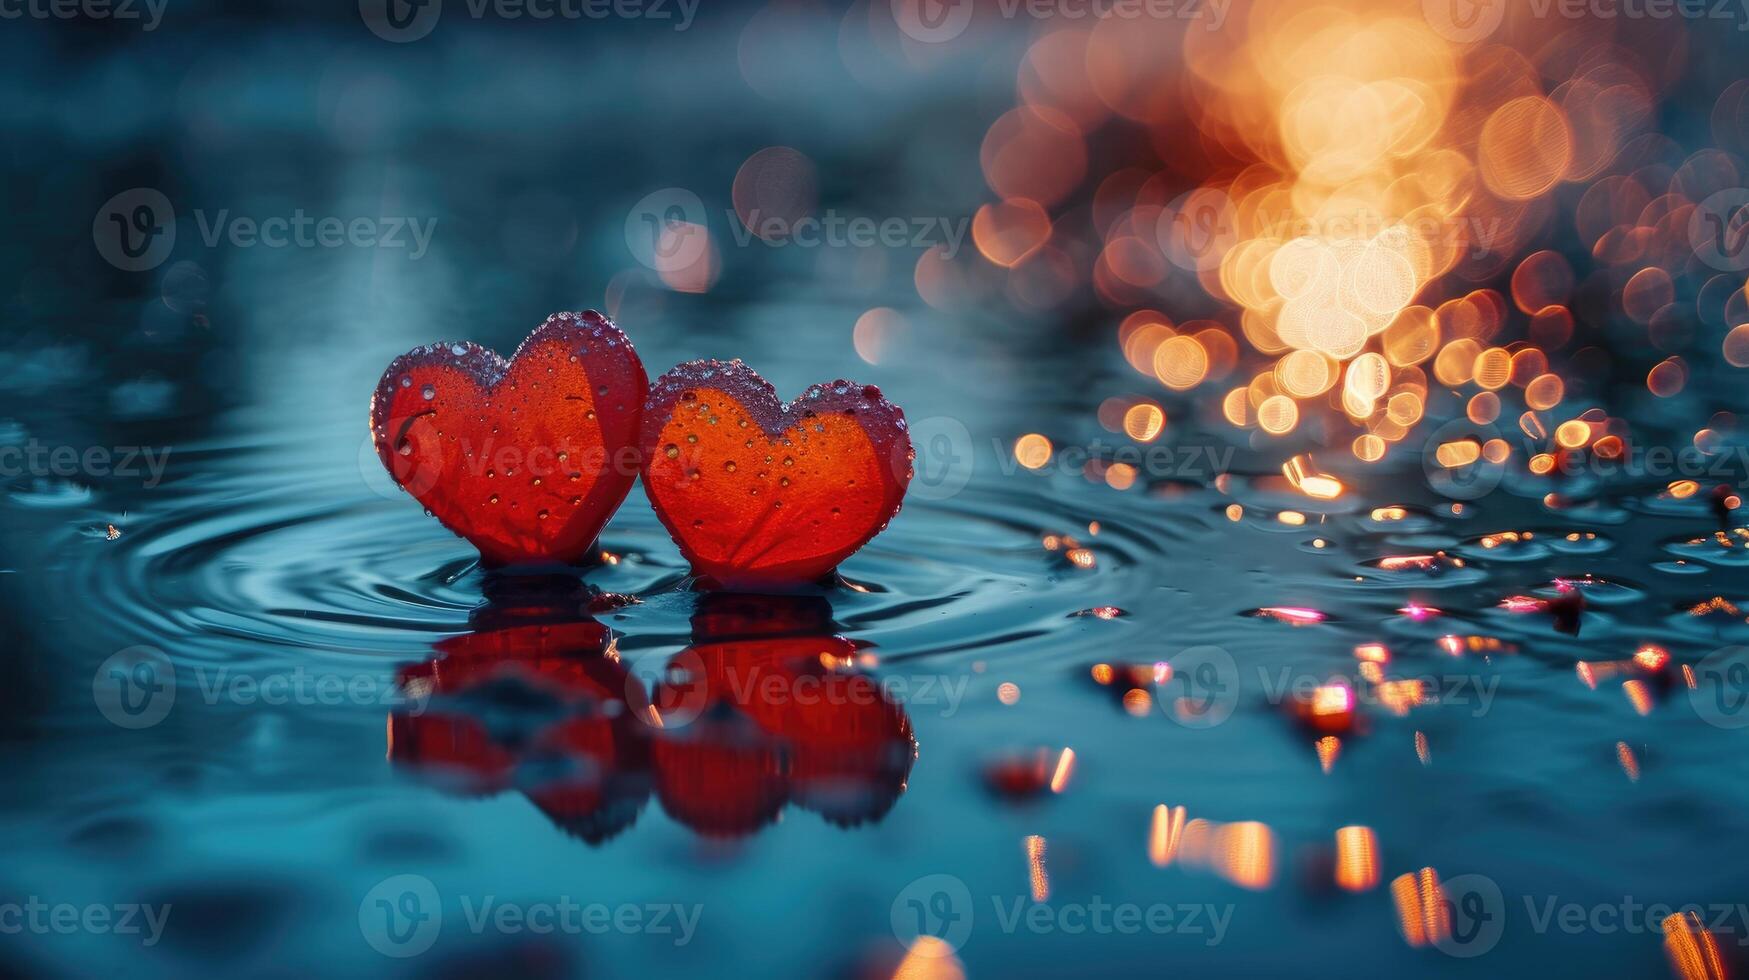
(1324, 553)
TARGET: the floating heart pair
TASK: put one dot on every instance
(528, 458)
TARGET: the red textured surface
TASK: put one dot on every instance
(526, 458)
(775, 725)
(757, 493)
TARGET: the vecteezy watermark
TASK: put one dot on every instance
(149, 13)
(39, 917)
(1197, 229)
(669, 229)
(940, 21)
(402, 916)
(402, 21)
(944, 458)
(1463, 460)
(1467, 21)
(835, 230)
(1472, 914)
(940, 906)
(1719, 228)
(1720, 694)
(684, 689)
(33, 459)
(1201, 687)
(135, 230)
(137, 688)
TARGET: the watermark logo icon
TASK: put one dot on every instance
(680, 691)
(135, 688)
(1467, 480)
(933, 21)
(1719, 230)
(666, 229)
(135, 230)
(1202, 690)
(426, 469)
(401, 916)
(938, 906)
(1720, 694)
(1464, 21)
(945, 458)
(1476, 915)
(400, 21)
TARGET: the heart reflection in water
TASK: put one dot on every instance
(768, 706)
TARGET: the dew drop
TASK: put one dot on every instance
(671, 451)
(541, 514)
(429, 392)
(492, 499)
(729, 467)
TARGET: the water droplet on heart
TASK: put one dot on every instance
(590, 414)
(491, 473)
(789, 461)
(840, 388)
(405, 448)
(429, 392)
(537, 481)
(783, 482)
(671, 451)
(406, 381)
(698, 524)
(729, 467)
(835, 512)
(777, 505)
(692, 474)
(541, 514)
(576, 500)
(458, 349)
(692, 437)
(562, 457)
(492, 499)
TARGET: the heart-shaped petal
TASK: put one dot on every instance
(757, 493)
(525, 458)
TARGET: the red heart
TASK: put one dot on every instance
(525, 458)
(757, 493)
